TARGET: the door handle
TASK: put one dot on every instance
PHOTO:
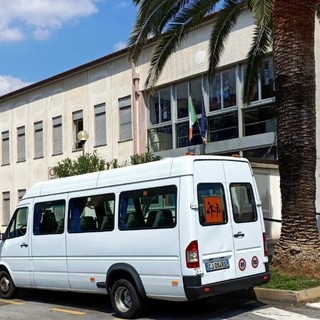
(23, 245)
(239, 235)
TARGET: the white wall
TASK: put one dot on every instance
(81, 91)
(268, 183)
(192, 56)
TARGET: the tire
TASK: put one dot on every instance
(125, 300)
(7, 287)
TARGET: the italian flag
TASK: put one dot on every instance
(192, 117)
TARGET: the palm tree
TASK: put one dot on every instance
(294, 61)
(289, 27)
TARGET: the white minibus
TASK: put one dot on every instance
(177, 229)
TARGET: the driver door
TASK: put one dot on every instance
(15, 249)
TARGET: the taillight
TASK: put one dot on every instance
(264, 235)
(192, 255)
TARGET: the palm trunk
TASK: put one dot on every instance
(298, 250)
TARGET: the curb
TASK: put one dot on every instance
(302, 296)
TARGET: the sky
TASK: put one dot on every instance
(42, 38)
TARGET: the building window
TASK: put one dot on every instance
(38, 140)
(57, 135)
(160, 106)
(160, 135)
(182, 130)
(265, 86)
(5, 148)
(223, 126)
(77, 118)
(5, 208)
(191, 88)
(257, 120)
(160, 138)
(196, 94)
(267, 81)
(182, 93)
(224, 116)
(223, 91)
(21, 193)
(21, 143)
(125, 118)
(267, 153)
(100, 124)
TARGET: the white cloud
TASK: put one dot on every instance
(123, 4)
(9, 83)
(120, 45)
(38, 18)
(10, 34)
(41, 34)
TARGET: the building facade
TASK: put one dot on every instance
(107, 98)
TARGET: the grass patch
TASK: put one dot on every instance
(288, 282)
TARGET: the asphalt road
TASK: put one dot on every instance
(46, 305)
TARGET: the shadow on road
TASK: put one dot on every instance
(219, 307)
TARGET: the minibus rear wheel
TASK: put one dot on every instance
(125, 300)
(7, 287)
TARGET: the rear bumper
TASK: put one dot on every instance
(195, 291)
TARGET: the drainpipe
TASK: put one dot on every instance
(138, 113)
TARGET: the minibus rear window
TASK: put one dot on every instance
(212, 204)
(149, 208)
(243, 204)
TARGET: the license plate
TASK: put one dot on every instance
(217, 265)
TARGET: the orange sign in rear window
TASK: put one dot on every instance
(213, 209)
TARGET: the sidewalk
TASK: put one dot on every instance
(295, 297)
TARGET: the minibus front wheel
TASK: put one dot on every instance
(125, 299)
(7, 287)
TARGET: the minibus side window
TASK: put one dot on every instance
(91, 213)
(149, 208)
(18, 224)
(243, 204)
(49, 217)
(212, 204)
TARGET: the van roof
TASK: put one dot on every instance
(169, 167)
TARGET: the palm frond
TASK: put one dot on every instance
(226, 20)
(164, 48)
(152, 18)
(255, 58)
(186, 20)
(262, 11)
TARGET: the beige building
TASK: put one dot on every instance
(106, 97)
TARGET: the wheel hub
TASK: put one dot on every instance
(4, 285)
(124, 300)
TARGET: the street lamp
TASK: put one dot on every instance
(83, 136)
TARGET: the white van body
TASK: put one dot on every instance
(200, 233)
